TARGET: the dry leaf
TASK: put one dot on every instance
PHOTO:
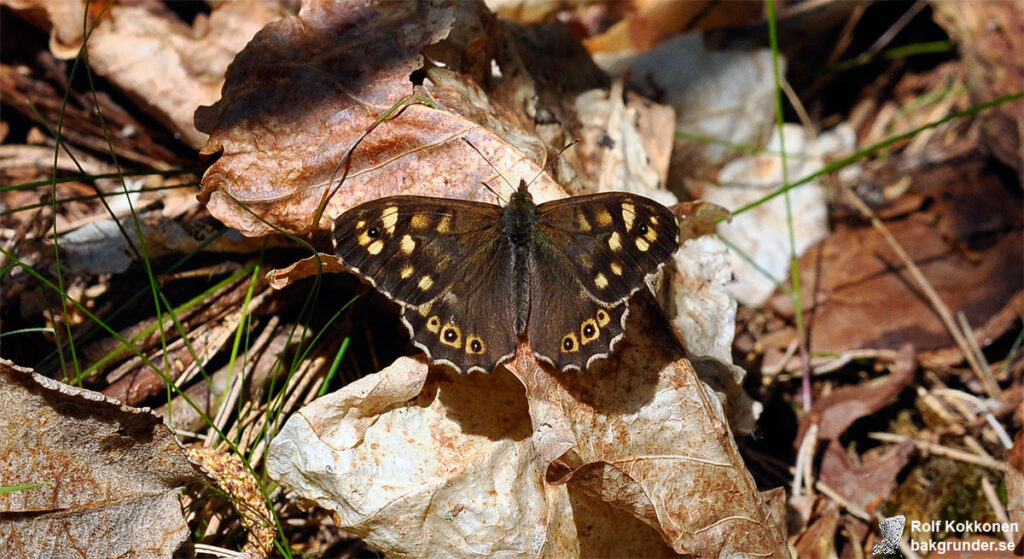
(291, 108)
(416, 463)
(762, 233)
(870, 483)
(726, 95)
(168, 66)
(991, 39)
(860, 295)
(112, 473)
(835, 412)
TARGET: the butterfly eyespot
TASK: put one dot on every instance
(602, 318)
(474, 345)
(373, 232)
(570, 344)
(642, 229)
(589, 331)
(451, 336)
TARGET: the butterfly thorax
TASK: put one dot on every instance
(519, 218)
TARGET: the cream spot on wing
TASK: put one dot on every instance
(390, 218)
(653, 220)
(581, 220)
(360, 224)
(375, 247)
(651, 235)
(604, 219)
(364, 239)
(419, 221)
(600, 281)
(407, 271)
(628, 215)
(444, 225)
(642, 245)
(615, 241)
(426, 282)
(408, 244)
(616, 269)
(424, 309)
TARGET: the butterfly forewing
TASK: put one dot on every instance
(443, 261)
(612, 242)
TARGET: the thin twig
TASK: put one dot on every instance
(941, 450)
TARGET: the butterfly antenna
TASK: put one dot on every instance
(557, 155)
(487, 186)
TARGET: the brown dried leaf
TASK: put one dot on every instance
(967, 247)
(817, 540)
(838, 410)
(991, 40)
(169, 67)
(291, 108)
(641, 432)
(868, 484)
(113, 473)
(230, 475)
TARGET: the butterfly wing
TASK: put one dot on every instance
(444, 263)
(590, 254)
(567, 327)
(612, 242)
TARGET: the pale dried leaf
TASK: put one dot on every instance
(762, 233)
(638, 432)
(113, 473)
(726, 95)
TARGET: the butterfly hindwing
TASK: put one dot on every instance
(568, 328)
(613, 241)
(470, 334)
(440, 260)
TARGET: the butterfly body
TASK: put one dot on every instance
(474, 278)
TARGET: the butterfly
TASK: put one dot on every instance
(473, 278)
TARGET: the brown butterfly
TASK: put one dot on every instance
(474, 278)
